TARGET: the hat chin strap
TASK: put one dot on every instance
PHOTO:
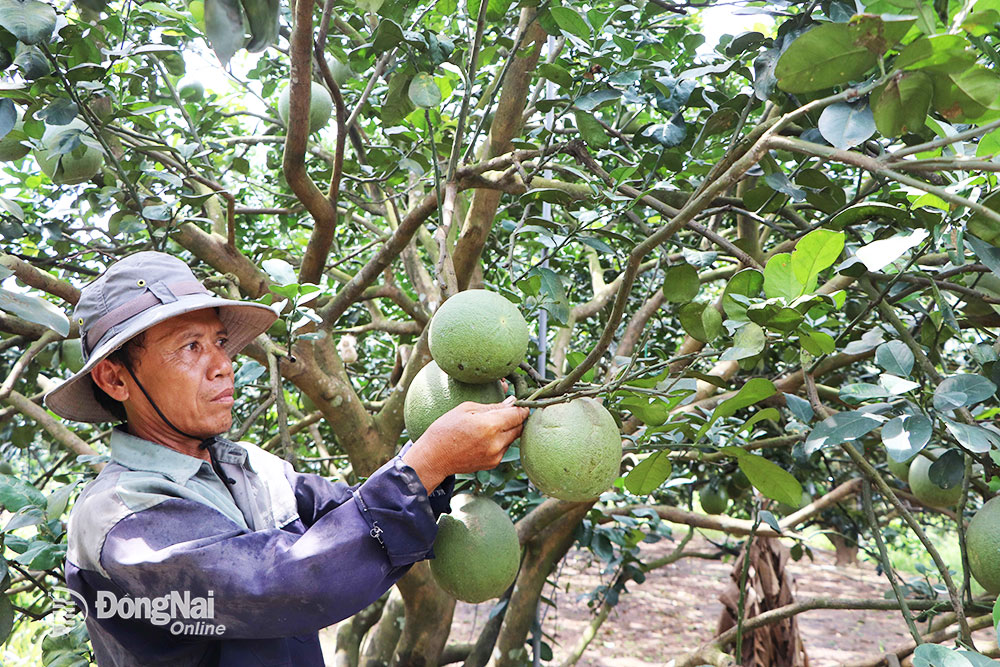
(205, 442)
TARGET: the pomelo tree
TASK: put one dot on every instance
(775, 260)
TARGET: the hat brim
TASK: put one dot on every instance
(74, 399)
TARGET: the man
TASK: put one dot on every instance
(189, 549)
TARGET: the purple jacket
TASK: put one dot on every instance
(177, 569)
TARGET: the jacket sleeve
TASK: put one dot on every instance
(315, 495)
(278, 582)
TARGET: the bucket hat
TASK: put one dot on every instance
(134, 294)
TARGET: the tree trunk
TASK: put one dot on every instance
(768, 586)
(540, 556)
(429, 611)
(384, 638)
(352, 631)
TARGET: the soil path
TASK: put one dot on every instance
(677, 608)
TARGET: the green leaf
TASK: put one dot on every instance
(754, 391)
(961, 391)
(553, 294)
(591, 130)
(772, 315)
(700, 321)
(746, 284)
(224, 27)
(828, 55)
(906, 435)
(901, 104)
(859, 392)
(280, 271)
(667, 135)
(780, 279)
(681, 284)
(649, 474)
(556, 74)
(815, 251)
(983, 227)
(947, 471)
(397, 104)
(26, 516)
(817, 343)
(42, 555)
(748, 342)
(987, 254)
(895, 357)
(839, 428)
(846, 125)
(972, 437)
(56, 502)
(770, 479)
(867, 211)
(571, 22)
(424, 91)
(6, 618)
(967, 95)
(937, 53)
(761, 415)
(31, 21)
(35, 310)
(879, 254)
(387, 35)
(495, 9)
(16, 493)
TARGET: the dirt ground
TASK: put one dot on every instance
(677, 608)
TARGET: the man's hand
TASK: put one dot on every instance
(467, 438)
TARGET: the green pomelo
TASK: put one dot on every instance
(320, 107)
(433, 393)
(71, 353)
(571, 451)
(6, 468)
(925, 490)
(79, 165)
(340, 71)
(901, 469)
(191, 89)
(983, 543)
(478, 336)
(713, 499)
(476, 551)
(11, 146)
(785, 508)
(737, 484)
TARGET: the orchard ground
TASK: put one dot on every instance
(677, 608)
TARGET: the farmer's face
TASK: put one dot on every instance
(183, 365)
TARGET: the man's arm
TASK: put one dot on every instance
(275, 583)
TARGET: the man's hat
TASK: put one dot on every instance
(133, 295)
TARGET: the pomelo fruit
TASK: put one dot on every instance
(983, 542)
(476, 551)
(6, 468)
(191, 89)
(478, 336)
(339, 70)
(901, 469)
(713, 499)
(433, 393)
(925, 490)
(737, 484)
(571, 451)
(320, 107)
(71, 354)
(79, 165)
(11, 146)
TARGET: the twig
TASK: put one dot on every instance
(866, 495)
(22, 363)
